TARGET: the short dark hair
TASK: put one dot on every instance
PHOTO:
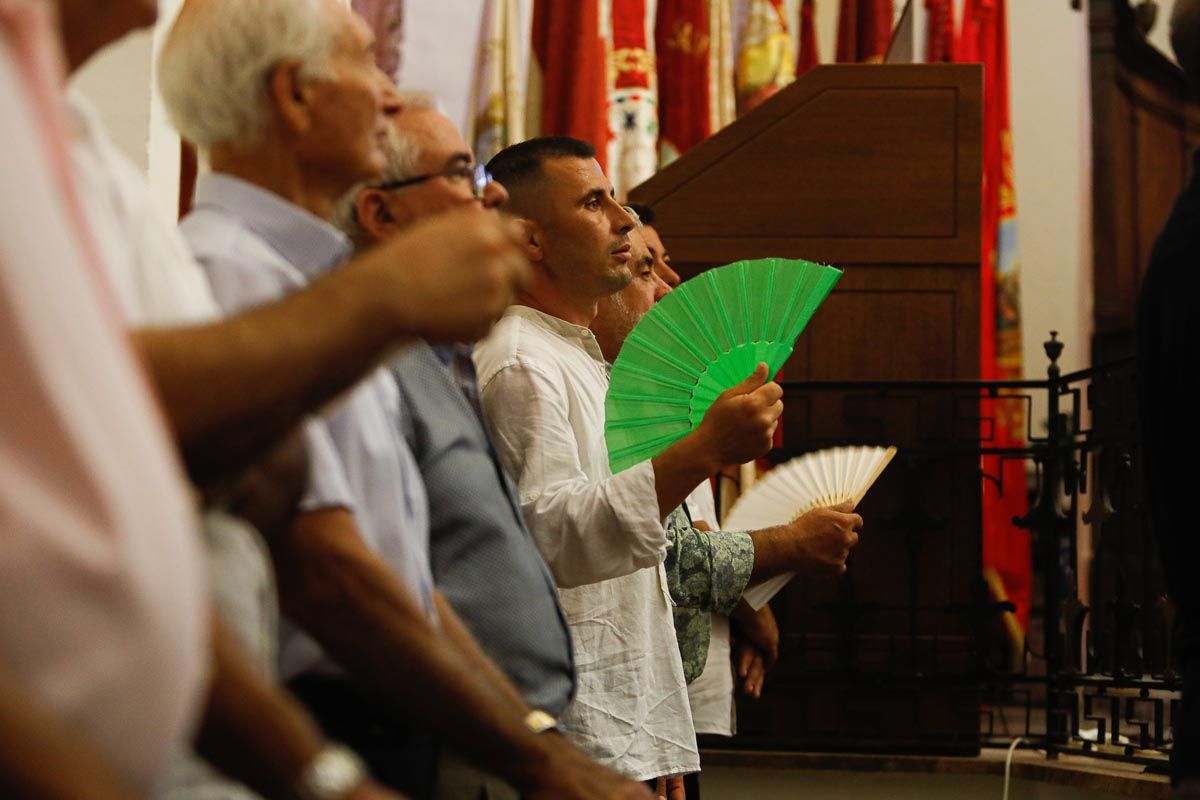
(645, 213)
(519, 165)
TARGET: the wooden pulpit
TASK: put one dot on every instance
(875, 169)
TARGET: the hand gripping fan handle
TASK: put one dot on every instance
(760, 594)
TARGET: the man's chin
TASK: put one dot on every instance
(620, 277)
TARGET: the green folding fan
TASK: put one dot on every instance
(701, 339)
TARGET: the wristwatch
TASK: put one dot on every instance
(334, 772)
(539, 721)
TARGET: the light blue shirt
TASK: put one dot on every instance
(256, 247)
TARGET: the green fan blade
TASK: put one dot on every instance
(701, 339)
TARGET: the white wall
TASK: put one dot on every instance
(119, 83)
(1051, 119)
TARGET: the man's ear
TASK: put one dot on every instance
(529, 237)
(374, 216)
(290, 96)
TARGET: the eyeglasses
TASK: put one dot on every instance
(476, 174)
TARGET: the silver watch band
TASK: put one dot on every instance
(334, 772)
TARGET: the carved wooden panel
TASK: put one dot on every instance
(875, 169)
(852, 164)
(1145, 127)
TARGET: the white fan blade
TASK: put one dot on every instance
(885, 458)
(822, 478)
(760, 594)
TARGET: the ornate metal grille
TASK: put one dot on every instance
(1097, 675)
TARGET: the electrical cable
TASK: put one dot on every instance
(1008, 763)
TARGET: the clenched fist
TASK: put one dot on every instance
(450, 277)
(741, 422)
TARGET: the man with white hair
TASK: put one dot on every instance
(285, 101)
(1168, 361)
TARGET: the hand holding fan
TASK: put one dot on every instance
(813, 480)
(701, 339)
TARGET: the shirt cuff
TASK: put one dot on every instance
(733, 561)
(327, 484)
(635, 505)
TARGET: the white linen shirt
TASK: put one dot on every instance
(711, 694)
(256, 247)
(542, 382)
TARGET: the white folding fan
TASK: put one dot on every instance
(821, 478)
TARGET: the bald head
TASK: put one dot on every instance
(1185, 39)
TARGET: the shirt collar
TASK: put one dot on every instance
(306, 241)
(567, 330)
(563, 329)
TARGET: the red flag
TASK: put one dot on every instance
(809, 56)
(1007, 558)
(864, 30)
(568, 80)
(682, 40)
(765, 63)
(939, 26)
(633, 104)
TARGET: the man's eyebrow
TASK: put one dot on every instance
(459, 159)
(594, 194)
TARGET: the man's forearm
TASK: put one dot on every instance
(232, 388)
(251, 730)
(42, 759)
(353, 604)
(774, 553)
(679, 469)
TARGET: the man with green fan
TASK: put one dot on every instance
(543, 381)
(707, 570)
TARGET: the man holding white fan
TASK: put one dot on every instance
(543, 381)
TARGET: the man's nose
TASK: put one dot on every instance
(623, 221)
(494, 195)
(389, 98)
(661, 288)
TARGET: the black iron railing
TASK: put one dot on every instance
(1097, 673)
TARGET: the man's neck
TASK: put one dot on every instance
(269, 167)
(549, 299)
